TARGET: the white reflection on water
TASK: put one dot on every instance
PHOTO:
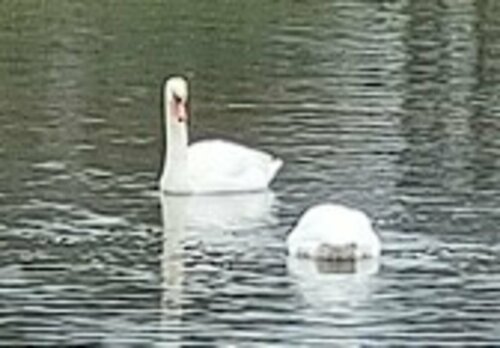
(329, 285)
(192, 224)
(231, 211)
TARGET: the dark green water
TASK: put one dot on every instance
(389, 106)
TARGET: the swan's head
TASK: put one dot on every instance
(176, 95)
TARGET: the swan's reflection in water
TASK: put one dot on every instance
(221, 224)
(331, 285)
(174, 210)
(340, 290)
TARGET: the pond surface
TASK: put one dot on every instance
(389, 106)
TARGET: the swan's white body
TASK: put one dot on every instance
(209, 166)
(218, 166)
(334, 232)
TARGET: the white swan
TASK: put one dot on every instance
(334, 232)
(209, 166)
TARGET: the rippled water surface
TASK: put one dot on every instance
(389, 106)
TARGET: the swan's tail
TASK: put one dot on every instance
(274, 167)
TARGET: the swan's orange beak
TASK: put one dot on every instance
(180, 110)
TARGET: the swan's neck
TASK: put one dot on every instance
(175, 167)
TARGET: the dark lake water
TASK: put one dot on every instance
(389, 106)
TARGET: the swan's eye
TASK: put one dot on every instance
(177, 99)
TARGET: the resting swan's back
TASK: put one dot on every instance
(333, 232)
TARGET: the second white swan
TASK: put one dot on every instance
(334, 232)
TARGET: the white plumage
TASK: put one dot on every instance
(220, 166)
(210, 166)
(333, 232)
